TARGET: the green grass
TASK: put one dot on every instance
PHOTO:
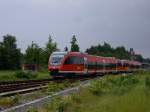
(109, 94)
(11, 76)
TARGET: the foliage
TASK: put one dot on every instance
(10, 55)
(26, 75)
(74, 45)
(12, 75)
(86, 101)
(32, 54)
(117, 85)
(108, 51)
(39, 56)
(63, 104)
(119, 52)
(49, 49)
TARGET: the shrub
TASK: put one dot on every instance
(26, 75)
(109, 84)
(98, 87)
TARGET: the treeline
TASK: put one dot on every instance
(12, 58)
(119, 52)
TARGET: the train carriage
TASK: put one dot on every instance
(69, 64)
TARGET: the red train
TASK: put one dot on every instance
(68, 64)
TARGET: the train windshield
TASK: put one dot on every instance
(55, 59)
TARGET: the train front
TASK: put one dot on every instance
(55, 63)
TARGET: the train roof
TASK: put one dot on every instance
(93, 57)
(131, 62)
(57, 53)
(100, 58)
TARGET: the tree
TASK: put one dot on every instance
(49, 49)
(122, 53)
(107, 51)
(10, 55)
(1, 55)
(139, 58)
(39, 56)
(32, 54)
(147, 60)
(74, 45)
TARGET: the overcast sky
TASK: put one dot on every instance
(119, 22)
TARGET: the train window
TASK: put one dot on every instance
(74, 60)
(100, 65)
(92, 65)
(110, 65)
(119, 64)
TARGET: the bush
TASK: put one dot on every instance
(26, 75)
(109, 84)
(99, 86)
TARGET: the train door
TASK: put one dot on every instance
(85, 66)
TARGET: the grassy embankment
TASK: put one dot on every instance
(117, 93)
(18, 75)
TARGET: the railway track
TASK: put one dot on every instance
(43, 100)
(14, 87)
(38, 83)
